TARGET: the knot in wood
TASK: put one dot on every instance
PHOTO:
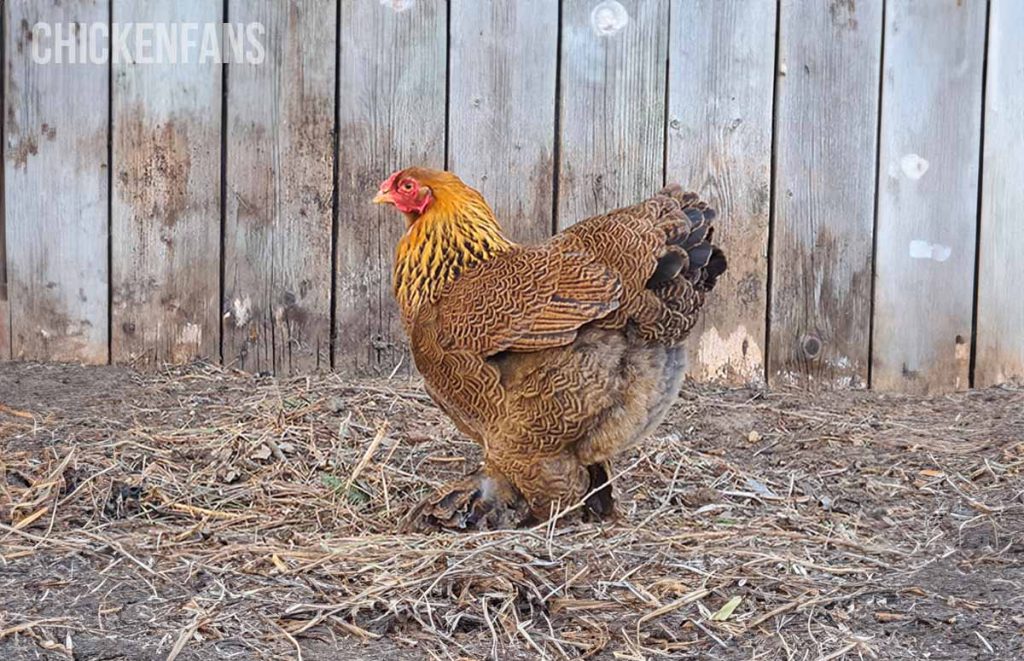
(811, 345)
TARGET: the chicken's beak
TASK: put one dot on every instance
(383, 198)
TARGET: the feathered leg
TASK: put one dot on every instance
(487, 500)
(550, 484)
(482, 501)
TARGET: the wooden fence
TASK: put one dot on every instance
(867, 159)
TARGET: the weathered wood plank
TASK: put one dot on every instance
(4, 314)
(5, 308)
(826, 131)
(280, 170)
(612, 105)
(165, 262)
(504, 57)
(928, 194)
(56, 179)
(1000, 343)
(390, 115)
(721, 81)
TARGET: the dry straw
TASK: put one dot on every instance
(201, 513)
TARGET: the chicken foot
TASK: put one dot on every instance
(486, 500)
(478, 502)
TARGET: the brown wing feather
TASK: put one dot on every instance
(525, 300)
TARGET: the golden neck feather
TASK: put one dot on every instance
(456, 232)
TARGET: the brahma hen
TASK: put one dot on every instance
(553, 357)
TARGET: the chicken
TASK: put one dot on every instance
(553, 357)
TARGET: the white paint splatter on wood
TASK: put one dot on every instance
(398, 5)
(921, 249)
(608, 17)
(913, 166)
(241, 310)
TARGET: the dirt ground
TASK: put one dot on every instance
(204, 514)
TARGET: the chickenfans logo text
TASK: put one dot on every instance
(148, 43)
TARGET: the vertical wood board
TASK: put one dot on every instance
(501, 116)
(391, 115)
(826, 122)
(928, 194)
(556, 110)
(5, 308)
(720, 144)
(279, 210)
(165, 280)
(56, 186)
(612, 105)
(1000, 339)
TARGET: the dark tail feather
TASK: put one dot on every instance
(669, 267)
(704, 262)
(716, 266)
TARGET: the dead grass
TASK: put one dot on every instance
(205, 514)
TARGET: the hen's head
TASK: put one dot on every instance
(449, 227)
(414, 191)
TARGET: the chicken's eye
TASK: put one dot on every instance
(407, 186)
